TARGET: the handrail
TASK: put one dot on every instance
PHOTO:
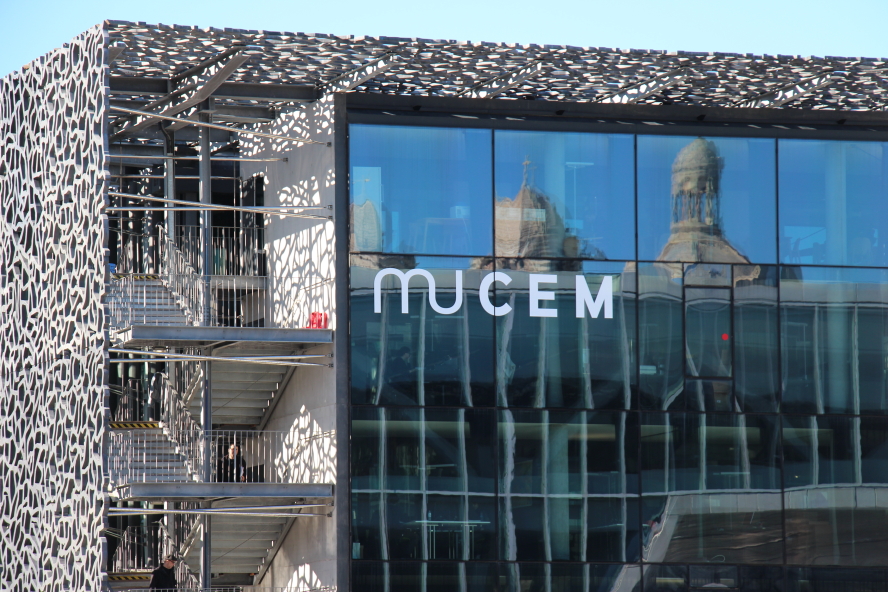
(237, 456)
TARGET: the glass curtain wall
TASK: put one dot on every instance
(550, 392)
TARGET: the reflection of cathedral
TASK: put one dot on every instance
(696, 229)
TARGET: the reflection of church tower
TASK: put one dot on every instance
(696, 218)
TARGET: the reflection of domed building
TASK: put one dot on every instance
(530, 226)
(696, 218)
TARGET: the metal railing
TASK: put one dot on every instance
(237, 294)
(142, 548)
(235, 250)
(130, 403)
(236, 456)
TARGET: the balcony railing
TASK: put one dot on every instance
(236, 456)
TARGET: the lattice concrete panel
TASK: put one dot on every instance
(444, 68)
(52, 385)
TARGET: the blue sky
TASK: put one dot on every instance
(30, 28)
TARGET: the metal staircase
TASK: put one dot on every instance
(241, 391)
(238, 548)
(148, 455)
(144, 300)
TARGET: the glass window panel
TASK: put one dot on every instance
(367, 527)
(756, 375)
(832, 202)
(660, 335)
(368, 575)
(820, 450)
(706, 199)
(714, 576)
(806, 579)
(611, 452)
(482, 527)
(613, 526)
(541, 451)
(874, 450)
(707, 274)
(610, 578)
(712, 451)
(366, 436)
(761, 579)
(422, 357)
(563, 361)
(421, 190)
(481, 576)
(708, 331)
(459, 449)
(404, 576)
(709, 395)
(442, 576)
(565, 195)
(736, 527)
(403, 466)
(567, 578)
(665, 578)
(446, 525)
(522, 528)
(403, 514)
(837, 525)
(831, 331)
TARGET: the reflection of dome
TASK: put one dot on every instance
(696, 176)
(530, 226)
(696, 219)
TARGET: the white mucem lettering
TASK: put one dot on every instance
(604, 299)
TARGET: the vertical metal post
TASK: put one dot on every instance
(169, 179)
(206, 416)
(206, 197)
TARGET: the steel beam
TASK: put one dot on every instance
(645, 88)
(788, 93)
(206, 79)
(203, 124)
(138, 86)
(188, 336)
(247, 493)
(363, 73)
(500, 84)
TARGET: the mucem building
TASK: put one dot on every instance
(385, 315)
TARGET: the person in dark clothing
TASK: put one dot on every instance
(400, 364)
(164, 578)
(232, 468)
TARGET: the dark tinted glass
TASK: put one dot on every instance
(421, 357)
(660, 335)
(832, 328)
(801, 579)
(713, 451)
(756, 360)
(421, 190)
(706, 199)
(832, 202)
(547, 356)
(708, 331)
(565, 195)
